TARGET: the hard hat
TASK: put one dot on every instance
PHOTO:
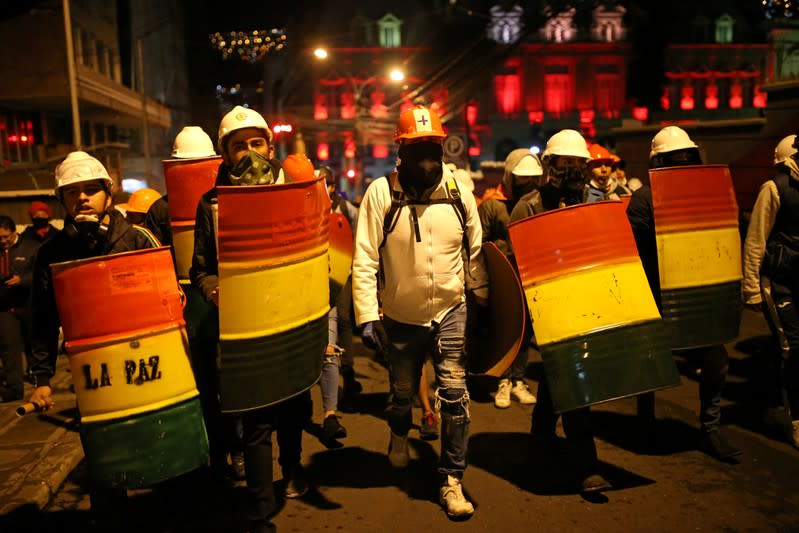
(299, 168)
(80, 166)
(669, 139)
(529, 165)
(192, 143)
(600, 154)
(566, 142)
(239, 118)
(141, 200)
(419, 122)
(785, 149)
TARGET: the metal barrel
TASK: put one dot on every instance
(340, 253)
(273, 291)
(699, 254)
(123, 325)
(594, 316)
(186, 181)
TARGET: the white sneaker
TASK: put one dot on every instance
(453, 500)
(398, 451)
(502, 397)
(522, 394)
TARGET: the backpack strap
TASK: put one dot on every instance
(392, 215)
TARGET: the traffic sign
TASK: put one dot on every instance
(454, 145)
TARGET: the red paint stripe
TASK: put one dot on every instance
(693, 198)
(263, 222)
(562, 241)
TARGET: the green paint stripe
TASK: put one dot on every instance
(702, 316)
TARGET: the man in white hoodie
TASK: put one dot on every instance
(420, 235)
(771, 250)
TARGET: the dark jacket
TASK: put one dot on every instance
(157, 221)
(21, 256)
(641, 215)
(122, 237)
(31, 233)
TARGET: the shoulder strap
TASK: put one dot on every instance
(392, 215)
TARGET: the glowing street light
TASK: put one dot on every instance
(320, 53)
(396, 75)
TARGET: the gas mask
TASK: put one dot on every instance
(88, 228)
(252, 169)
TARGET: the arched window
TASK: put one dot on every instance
(724, 27)
(389, 29)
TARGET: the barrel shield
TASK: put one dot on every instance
(595, 320)
(273, 291)
(127, 346)
(493, 347)
(340, 253)
(699, 253)
(186, 181)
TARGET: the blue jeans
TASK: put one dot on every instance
(328, 381)
(409, 344)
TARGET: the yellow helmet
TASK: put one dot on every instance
(141, 200)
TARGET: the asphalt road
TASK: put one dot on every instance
(665, 485)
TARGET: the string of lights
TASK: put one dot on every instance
(249, 46)
(780, 8)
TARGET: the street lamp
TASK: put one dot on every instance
(366, 117)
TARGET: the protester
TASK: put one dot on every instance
(40, 229)
(421, 235)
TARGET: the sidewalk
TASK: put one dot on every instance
(38, 451)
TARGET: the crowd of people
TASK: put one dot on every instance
(417, 238)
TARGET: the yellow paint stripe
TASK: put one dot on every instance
(590, 301)
(340, 265)
(274, 260)
(169, 379)
(183, 243)
(696, 258)
(261, 302)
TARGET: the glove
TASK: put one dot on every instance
(378, 335)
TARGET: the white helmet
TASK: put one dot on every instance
(566, 142)
(239, 118)
(784, 149)
(669, 139)
(528, 166)
(80, 166)
(193, 143)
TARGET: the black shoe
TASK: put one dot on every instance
(332, 428)
(237, 470)
(713, 444)
(295, 483)
(594, 483)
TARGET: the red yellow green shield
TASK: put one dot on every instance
(699, 253)
(595, 320)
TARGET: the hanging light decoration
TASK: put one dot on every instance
(248, 46)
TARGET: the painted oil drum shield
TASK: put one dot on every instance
(493, 347)
(273, 291)
(186, 181)
(595, 320)
(340, 253)
(130, 364)
(699, 253)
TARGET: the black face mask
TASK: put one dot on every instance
(39, 222)
(520, 190)
(567, 179)
(420, 166)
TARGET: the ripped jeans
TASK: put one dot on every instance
(445, 342)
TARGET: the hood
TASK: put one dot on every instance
(793, 167)
(511, 161)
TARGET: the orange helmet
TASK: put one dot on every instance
(141, 200)
(419, 123)
(600, 154)
(299, 168)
